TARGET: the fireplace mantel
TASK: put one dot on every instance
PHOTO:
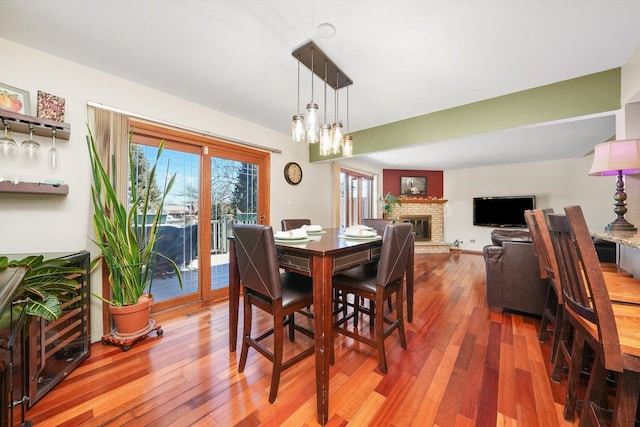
(407, 200)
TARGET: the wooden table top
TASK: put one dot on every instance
(328, 242)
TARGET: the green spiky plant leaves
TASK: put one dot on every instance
(126, 237)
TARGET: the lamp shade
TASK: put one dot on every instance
(611, 157)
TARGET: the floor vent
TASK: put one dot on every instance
(195, 313)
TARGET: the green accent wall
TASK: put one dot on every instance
(590, 94)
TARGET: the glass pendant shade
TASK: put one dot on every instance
(325, 140)
(312, 124)
(336, 138)
(297, 128)
(347, 146)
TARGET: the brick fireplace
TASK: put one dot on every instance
(427, 215)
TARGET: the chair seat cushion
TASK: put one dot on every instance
(296, 288)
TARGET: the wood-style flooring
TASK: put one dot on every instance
(464, 366)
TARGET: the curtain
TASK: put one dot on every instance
(111, 132)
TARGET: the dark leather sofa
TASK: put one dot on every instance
(513, 273)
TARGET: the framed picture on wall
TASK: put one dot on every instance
(14, 99)
(413, 185)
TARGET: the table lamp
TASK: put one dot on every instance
(617, 158)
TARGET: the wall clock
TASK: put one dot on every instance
(293, 173)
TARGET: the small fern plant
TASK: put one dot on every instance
(46, 285)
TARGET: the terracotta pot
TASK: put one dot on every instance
(132, 319)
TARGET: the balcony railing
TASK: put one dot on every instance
(221, 231)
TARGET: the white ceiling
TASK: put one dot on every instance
(406, 58)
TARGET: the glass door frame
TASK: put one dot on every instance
(147, 133)
(347, 208)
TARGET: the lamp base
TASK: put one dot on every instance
(620, 225)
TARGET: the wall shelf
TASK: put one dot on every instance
(41, 127)
(34, 188)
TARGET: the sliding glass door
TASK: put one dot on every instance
(217, 184)
(234, 199)
(178, 234)
(356, 197)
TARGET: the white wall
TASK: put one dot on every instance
(40, 224)
(628, 127)
(556, 184)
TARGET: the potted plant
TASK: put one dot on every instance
(390, 201)
(45, 285)
(127, 238)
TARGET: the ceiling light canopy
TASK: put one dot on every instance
(312, 131)
(326, 30)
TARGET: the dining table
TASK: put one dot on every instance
(320, 255)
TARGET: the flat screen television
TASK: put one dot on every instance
(502, 211)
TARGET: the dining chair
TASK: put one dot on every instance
(378, 285)
(377, 224)
(621, 285)
(280, 294)
(608, 327)
(290, 224)
(552, 312)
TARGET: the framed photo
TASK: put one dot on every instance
(413, 185)
(14, 99)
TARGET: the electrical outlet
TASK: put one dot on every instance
(472, 240)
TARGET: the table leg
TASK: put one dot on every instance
(626, 401)
(409, 280)
(234, 296)
(323, 325)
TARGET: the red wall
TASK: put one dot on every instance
(391, 181)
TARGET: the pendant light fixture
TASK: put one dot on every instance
(297, 124)
(347, 142)
(311, 124)
(311, 131)
(325, 129)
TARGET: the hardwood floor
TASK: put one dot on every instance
(464, 366)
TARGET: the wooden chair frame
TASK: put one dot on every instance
(609, 328)
(378, 286)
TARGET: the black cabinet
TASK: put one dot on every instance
(55, 348)
(12, 374)
(36, 354)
